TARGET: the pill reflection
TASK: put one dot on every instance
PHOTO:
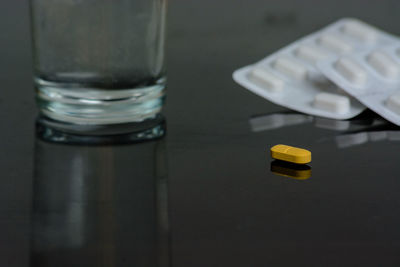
(277, 120)
(330, 124)
(290, 170)
(360, 138)
(273, 121)
(349, 140)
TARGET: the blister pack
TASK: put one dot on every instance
(290, 76)
(371, 76)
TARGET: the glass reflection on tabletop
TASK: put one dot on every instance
(291, 170)
(99, 205)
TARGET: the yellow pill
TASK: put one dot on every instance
(291, 154)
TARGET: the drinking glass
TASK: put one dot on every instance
(99, 61)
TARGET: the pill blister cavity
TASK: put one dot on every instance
(266, 79)
(290, 68)
(359, 30)
(310, 53)
(393, 103)
(351, 70)
(335, 43)
(384, 64)
(332, 103)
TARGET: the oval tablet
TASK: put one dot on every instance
(291, 154)
(384, 64)
(266, 79)
(351, 70)
(359, 30)
(290, 68)
(310, 53)
(335, 43)
(393, 103)
(332, 102)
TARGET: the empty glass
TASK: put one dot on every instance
(99, 61)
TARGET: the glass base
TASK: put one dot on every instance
(74, 103)
(53, 131)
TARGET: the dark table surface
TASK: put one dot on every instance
(205, 194)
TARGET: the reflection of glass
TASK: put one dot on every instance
(290, 170)
(100, 205)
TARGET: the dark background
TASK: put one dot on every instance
(225, 206)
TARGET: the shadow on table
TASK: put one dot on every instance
(99, 204)
(291, 170)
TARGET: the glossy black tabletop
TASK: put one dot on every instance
(207, 194)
